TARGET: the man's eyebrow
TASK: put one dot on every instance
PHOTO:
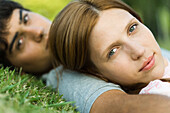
(12, 43)
(105, 53)
(16, 34)
(20, 16)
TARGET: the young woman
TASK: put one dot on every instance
(22, 47)
(106, 38)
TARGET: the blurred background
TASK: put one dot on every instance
(155, 14)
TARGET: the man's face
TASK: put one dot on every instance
(27, 41)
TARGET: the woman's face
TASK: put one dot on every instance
(124, 50)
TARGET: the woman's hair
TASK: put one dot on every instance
(71, 29)
(6, 9)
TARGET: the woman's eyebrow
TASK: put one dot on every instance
(114, 43)
(104, 54)
(129, 23)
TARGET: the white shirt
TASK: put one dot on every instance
(158, 86)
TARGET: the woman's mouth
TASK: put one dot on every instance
(148, 64)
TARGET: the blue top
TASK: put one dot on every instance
(81, 88)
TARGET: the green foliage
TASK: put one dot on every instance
(26, 94)
(48, 8)
(156, 16)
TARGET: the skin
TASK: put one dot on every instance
(115, 101)
(30, 50)
(106, 101)
(125, 42)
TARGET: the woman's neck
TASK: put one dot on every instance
(134, 89)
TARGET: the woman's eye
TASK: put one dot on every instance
(19, 43)
(26, 18)
(112, 52)
(132, 28)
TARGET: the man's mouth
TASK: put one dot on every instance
(148, 64)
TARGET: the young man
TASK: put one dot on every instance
(23, 38)
(23, 43)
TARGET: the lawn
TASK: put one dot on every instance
(25, 93)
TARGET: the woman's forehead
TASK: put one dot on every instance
(114, 16)
(112, 24)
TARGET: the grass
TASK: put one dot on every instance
(26, 94)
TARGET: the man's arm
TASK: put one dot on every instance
(116, 101)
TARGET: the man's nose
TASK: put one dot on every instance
(135, 50)
(36, 33)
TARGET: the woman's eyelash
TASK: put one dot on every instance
(132, 28)
(112, 52)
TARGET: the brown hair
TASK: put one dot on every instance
(71, 29)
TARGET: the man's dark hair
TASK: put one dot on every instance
(6, 9)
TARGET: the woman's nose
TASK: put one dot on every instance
(36, 33)
(135, 50)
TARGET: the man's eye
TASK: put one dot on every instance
(112, 52)
(132, 28)
(26, 18)
(19, 43)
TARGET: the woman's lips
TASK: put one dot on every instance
(148, 64)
